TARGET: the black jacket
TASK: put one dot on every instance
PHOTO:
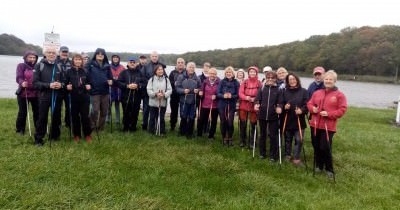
(46, 73)
(78, 79)
(269, 97)
(129, 76)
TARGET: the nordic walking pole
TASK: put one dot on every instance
(254, 140)
(329, 148)
(209, 116)
(301, 141)
(158, 128)
(70, 116)
(110, 107)
(279, 138)
(27, 111)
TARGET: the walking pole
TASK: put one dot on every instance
(301, 142)
(254, 140)
(27, 111)
(279, 138)
(158, 128)
(209, 116)
(110, 107)
(70, 116)
(329, 148)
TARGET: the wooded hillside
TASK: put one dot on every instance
(12, 45)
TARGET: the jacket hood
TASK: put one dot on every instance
(102, 51)
(254, 68)
(30, 52)
(112, 62)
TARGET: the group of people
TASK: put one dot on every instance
(89, 87)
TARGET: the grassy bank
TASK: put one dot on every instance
(139, 171)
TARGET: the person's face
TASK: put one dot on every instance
(206, 68)
(99, 56)
(240, 75)
(292, 81)
(154, 58)
(318, 77)
(252, 73)
(78, 62)
(160, 71)
(270, 80)
(212, 74)
(85, 59)
(143, 61)
(51, 55)
(229, 74)
(329, 81)
(115, 59)
(64, 55)
(180, 64)
(190, 69)
(31, 59)
(131, 64)
(281, 75)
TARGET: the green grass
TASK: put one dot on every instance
(139, 171)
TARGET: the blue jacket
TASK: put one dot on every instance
(314, 87)
(187, 82)
(228, 86)
(98, 75)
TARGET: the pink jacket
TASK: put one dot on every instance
(208, 91)
(248, 88)
(333, 101)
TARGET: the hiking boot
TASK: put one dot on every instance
(88, 139)
(76, 139)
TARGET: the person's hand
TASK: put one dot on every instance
(324, 113)
(287, 106)
(298, 111)
(69, 87)
(134, 86)
(24, 84)
(196, 91)
(257, 107)
(88, 87)
(200, 93)
(55, 85)
(252, 100)
(213, 97)
(110, 82)
(160, 94)
(315, 109)
(186, 91)
(278, 110)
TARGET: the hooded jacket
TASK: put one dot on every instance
(228, 86)
(333, 101)
(46, 73)
(173, 77)
(98, 74)
(249, 87)
(116, 69)
(129, 76)
(296, 97)
(269, 97)
(24, 72)
(78, 79)
(156, 84)
(186, 81)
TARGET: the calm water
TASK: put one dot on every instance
(358, 94)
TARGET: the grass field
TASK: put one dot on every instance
(139, 171)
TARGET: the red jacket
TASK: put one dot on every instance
(333, 101)
(248, 88)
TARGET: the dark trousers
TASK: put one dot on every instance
(80, 114)
(270, 129)
(204, 122)
(66, 111)
(145, 118)
(98, 115)
(174, 104)
(289, 135)
(45, 103)
(22, 112)
(155, 112)
(322, 149)
(131, 113)
(187, 113)
(226, 116)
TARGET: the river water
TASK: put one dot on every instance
(359, 94)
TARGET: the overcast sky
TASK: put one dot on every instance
(178, 26)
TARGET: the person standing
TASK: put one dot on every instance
(174, 100)
(65, 63)
(116, 69)
(282, 74)
(148, 72)
(142, 61)
(208, 94)
(48, 80)
(227, 95)
(326, 107)
(187, 86)
(295, 106)
(78, 87)
(100, 77)
(247, 94)
(204, 73)
(159, 90)
(132, 83)
(26, 94)
(268, 104)
(318, 82)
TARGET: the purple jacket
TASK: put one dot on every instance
(25, 73)
(208, 91)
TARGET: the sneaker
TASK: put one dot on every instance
(330, 175)
(88, 139)
(76, 139)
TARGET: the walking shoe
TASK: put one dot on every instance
(76, 139)
(88, 139)
(330, 175)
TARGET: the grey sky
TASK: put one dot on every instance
(177, 26)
